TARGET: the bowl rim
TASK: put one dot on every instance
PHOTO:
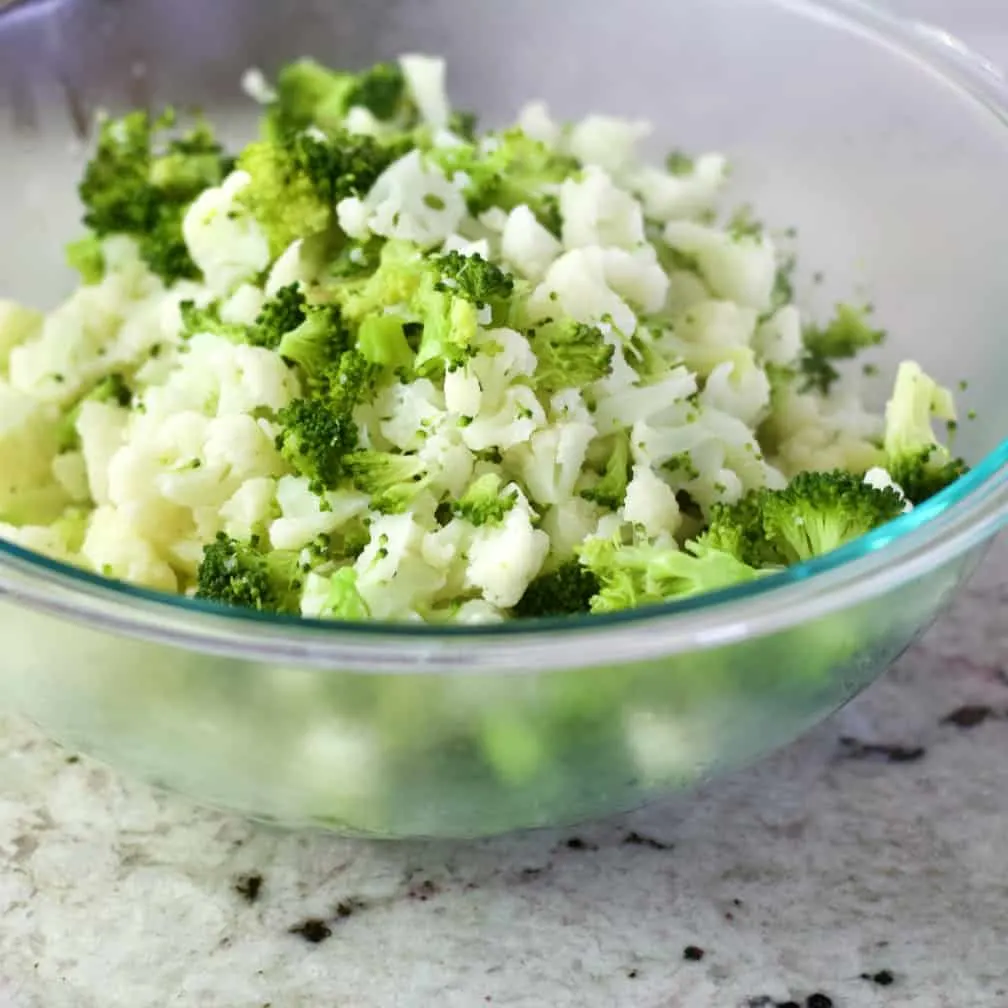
(960, 518)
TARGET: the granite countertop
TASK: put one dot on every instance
(875, 875)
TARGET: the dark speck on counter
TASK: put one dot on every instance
(313, 930)
(693, 953)
(818, 1001)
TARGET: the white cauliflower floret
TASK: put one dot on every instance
(408, 412)
(668, 196)
(535, 121)
(17, 325)
(623, 406)
(101, 428)
(597, 212)
(608, 142)
(244, 305)
(393, 578)
(413, 202)
(113, 547)
(710, 333)
(518, 415)
(29, 441)
(503, 559)
(527, 246)
(478, 612)
(456, 243)
(222, 236)
(249, 509)
(218, 377)
(289, 268)
(568, 523)
(739, 388)
(779, 339)
(551, 461)
(740, 268)
(303, 517)
(576, 283)
(425, 82)
(651, 503)
(447, 459)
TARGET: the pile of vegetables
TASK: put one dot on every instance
(380, 364)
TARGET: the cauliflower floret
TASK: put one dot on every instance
(413, 202)
(597, 212)
(518, 415)
(29, 440)
(425, 81)
(535, 121)
(289, 268)
(669, 197)
(554, 456)
(568, 523)
(740, 268)
(303, 517)
(503, 559)
(651, 503)
(623, 406)
(608, 142)
(408, 412)
(447, 459)
(101, 428)
(577, 283)
(17, 325)
(739, 388)
(113, 547)
(222, 236)
(243, 307)
(456, 243)
(250, 508)
(779, 339)
(393, 578)
(710, 333)
(527, 246)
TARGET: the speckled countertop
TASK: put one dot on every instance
(875, 875)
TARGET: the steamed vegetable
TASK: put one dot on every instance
(378, 364)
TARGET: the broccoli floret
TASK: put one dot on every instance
(645, 573)
(284, 312)
(238, 574)
(738, 529)
(318, 344)
(481, 282)
(464, 125)
(129, 188)
(309, 94)
(381, 339)
(392, 481)
(297, 181)
(842, 339)
(85, 255)
(820, 512)
(509, 170)
(610, 490)
(208, 320)
(563, 592)
(315, 438)
(344, 601)
(450, 325)
(916, 461)
(484, 503)
(570, 355)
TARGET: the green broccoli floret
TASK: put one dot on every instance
(509, 170)
(450, 326)
(238, 574)
(381, 339)
(842, 339)
(281, 314)
(318, 344)
(392, 481)
(464, 125)
(344, 601)
(309, 94)
(484, 502)
(917, 462)
(643, 573)
(562, 592)
(396, 280)
(570, 355)
(316, 436)
(610, 490)
(208, 320)
(738, 529)
(85, 255)
(130, 188)
(297, 181)
(820, 512)
(473, 278)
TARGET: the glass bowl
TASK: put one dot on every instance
(882, 142)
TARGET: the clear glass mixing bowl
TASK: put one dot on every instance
(882, 142)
